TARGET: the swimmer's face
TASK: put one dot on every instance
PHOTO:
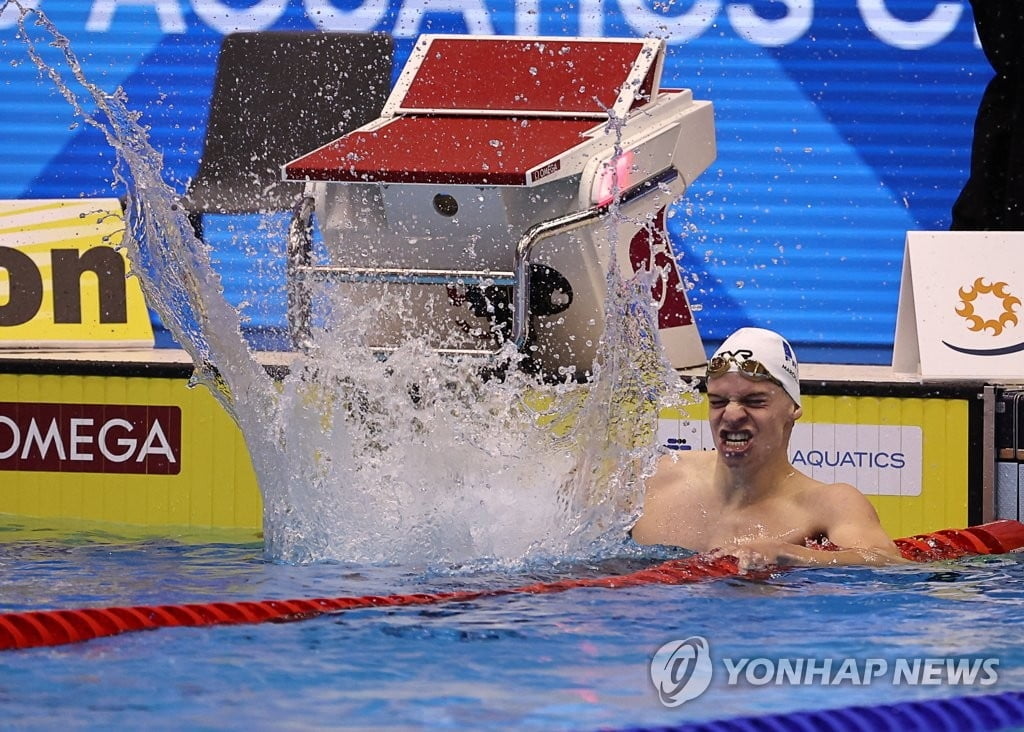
(751, 420)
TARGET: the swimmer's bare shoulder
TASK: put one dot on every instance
(832, 501)
(678, 486)
(682, 469)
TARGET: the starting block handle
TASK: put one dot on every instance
(570, 222)
(482, 278)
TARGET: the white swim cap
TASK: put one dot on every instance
(747, 348)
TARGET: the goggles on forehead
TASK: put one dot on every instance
(748, 367)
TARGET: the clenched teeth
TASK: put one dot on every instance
(736, 437)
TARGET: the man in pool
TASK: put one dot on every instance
(746, 499)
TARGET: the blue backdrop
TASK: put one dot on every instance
(841, 124)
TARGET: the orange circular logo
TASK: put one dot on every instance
(968, 296)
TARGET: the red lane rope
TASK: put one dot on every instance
(58, 627)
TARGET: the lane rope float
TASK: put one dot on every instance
(38, 628)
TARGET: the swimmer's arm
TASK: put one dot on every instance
(848, 520)
(852, 523)
(795, 555)
(655, 524)
(762, 554)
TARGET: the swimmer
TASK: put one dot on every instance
(746, 499)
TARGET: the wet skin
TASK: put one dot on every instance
(746, 499)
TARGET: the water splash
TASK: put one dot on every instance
(419, 457)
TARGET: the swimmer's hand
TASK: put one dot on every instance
(765, 554)
(753, 556)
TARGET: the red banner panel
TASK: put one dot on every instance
(90, 438)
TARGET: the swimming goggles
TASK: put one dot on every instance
(748, 367)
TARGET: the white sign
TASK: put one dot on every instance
(879, 459)
(960, 302)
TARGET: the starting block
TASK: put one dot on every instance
(490, 195)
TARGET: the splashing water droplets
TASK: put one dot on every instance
(418, 457)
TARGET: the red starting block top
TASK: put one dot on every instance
(444, 150)
(554, 76)
(491, 111)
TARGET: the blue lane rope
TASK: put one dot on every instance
(976, 713)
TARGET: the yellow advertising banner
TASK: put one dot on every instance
(152, 452)
(127, 450)
(64, 282)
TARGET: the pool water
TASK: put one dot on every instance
(573, 660)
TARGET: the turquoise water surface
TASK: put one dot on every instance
(574, 660)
